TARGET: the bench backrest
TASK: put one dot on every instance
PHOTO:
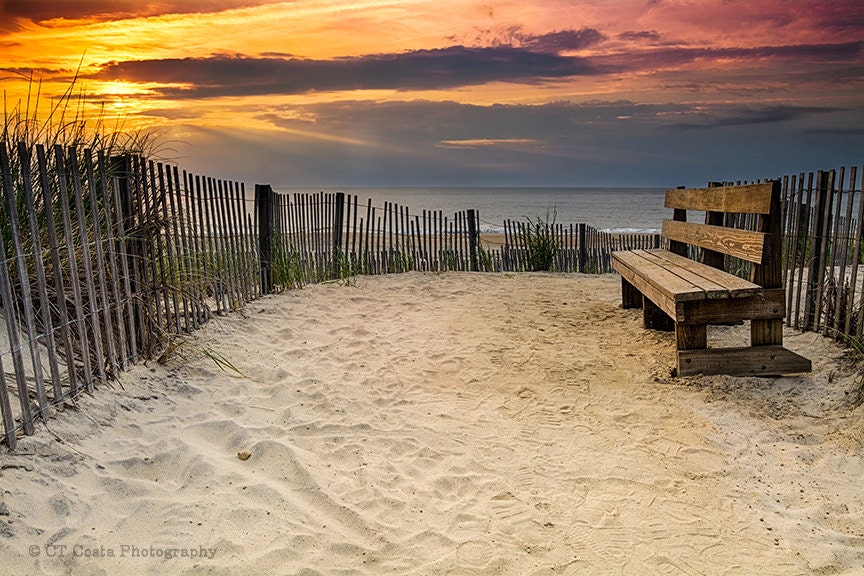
(760, 246)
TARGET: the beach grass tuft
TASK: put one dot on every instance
(541, 242)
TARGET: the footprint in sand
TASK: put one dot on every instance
(474, 554)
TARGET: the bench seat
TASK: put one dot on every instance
(680, 279)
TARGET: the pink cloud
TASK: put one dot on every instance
(42, 11)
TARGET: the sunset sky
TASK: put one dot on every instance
(457, 92)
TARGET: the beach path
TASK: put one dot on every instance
(451, 423)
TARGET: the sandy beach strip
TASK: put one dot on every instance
(450, 423)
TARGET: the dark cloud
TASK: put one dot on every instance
(557, 144)
(836, 17)
(234, 75)
(856, 131)
(34, 74)
(43, 10)
(650, 36)
(732, 115)
(237, 75)
(516, 37)
(564, 40)
(423, 69)
(671, 57)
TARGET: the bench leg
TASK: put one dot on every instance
(654, 317)
(691, 337)
(630, 296)
(766, 332)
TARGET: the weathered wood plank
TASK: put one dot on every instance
(680, 248)
(769, 272)
(856, 242)
(690, 271)
(670, 285)
(87, 262)
(47, 336)
(708, 278)
(767, 305)
(59, 295)
(691, 336)
(120, 170)
(12, 226)
(648, 290)
(10, 315)
(749, 199)
(112, 255)
(746, 361)
(99, 264)
(742, 244)
(710, 257)
(72, 262)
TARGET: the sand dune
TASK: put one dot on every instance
(444, 424)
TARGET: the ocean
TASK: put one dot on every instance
(608, 209)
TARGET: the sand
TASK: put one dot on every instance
(443, 424)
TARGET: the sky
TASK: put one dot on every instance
(326, 93)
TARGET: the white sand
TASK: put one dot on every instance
(444, 424)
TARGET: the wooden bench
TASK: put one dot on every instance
(677, 292)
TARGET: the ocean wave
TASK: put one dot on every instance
(631, 230)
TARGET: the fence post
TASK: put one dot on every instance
(338, 218)
(583, 249)
(121, 169)
(472, 239)
(817, 269)
(264, 211)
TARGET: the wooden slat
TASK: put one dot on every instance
(172, 283)
(72, 263)
(120, 185)
(99, 264)
(10, 315)
(87, 262)
(748, 361)
(47, 336)
(682, 279)
(856, 242)
(59, 295)
(682, 268)
(112, 254)
(748, 199)
(767, 305)
(712, 280)
(669, 284)
(13, 227)
(742, 244)
(648, 290)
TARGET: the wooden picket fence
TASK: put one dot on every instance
(823, 254)
(107, 260)
(576, 247)
(314, 237)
